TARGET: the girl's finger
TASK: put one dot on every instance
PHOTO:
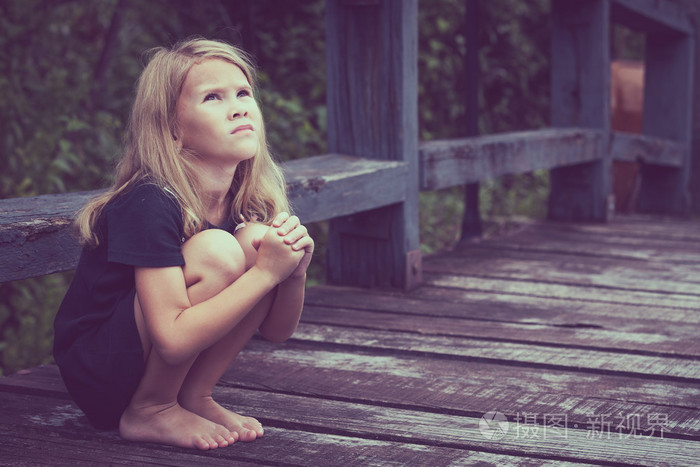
(289, 225)
(304, 243)
(280, 219)
(296, 234)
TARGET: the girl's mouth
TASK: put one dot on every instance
(241, 128)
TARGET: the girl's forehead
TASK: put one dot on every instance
(215, 71)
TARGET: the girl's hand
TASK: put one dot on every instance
(275, 256)
(297, 237)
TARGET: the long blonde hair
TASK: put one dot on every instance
(151, 153)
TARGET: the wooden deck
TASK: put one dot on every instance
(585, 337)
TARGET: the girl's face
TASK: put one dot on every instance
(217, 114)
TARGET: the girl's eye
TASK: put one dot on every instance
(243, 93)
(211, 97)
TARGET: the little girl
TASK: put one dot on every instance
(185, 257)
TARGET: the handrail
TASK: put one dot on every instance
(35, 236)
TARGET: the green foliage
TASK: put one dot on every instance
(26, 327)
(513, 52)
(440, 219)
(66, 91)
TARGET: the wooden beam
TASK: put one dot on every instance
(646, 149)
(372, 83)
(36, 238)
(657, 16)
(581, 98)
(329, 186)
(447, 163)
(35, 235)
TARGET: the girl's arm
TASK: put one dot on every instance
(179, 330)
(286, 309)
(283, 318)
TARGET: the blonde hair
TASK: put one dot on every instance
(152, 155)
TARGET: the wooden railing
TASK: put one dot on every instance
(368, 187)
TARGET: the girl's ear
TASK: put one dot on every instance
(178, 141)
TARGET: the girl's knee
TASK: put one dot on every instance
(248, 238)
(214, 252)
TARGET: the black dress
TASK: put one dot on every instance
(97, 345)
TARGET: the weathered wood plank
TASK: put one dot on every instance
(575, 242)
(446, 163)
(485, 305)
(553, 290)
(646, 149)
(613, 334)
(35, 237)
(324, 187)
(348, 418)
(58, 435)
(632, 225)
(655, 16)
(541, 356)
(430, 384)
(490, 262)
(460, 387)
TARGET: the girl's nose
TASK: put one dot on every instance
(238, 110)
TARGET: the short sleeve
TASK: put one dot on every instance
(144, 228)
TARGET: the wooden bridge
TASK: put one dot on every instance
(582, 339)
(575, 342)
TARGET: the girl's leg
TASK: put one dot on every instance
(214, 260)
(196, 391)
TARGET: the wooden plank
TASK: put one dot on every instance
(560, 268)
(350, 419)
(485, 304)
(646, 149)
(655, 16)
(446, 163)
(372, 74)
(573, 242)
(630, 226)
(58, 434)
(562, 291)
(536, 356)
(434, 384)
(328, 186)
(35, 238)
(426, 384)
(617, 334)
(581, 98)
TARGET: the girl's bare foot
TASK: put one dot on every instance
(173, 425)
(247, 428)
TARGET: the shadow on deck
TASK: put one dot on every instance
(569, 342)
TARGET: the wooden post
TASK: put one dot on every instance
(580, 98)
(668, 100)
(471, 221)
(694, 182)
(372, 71)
